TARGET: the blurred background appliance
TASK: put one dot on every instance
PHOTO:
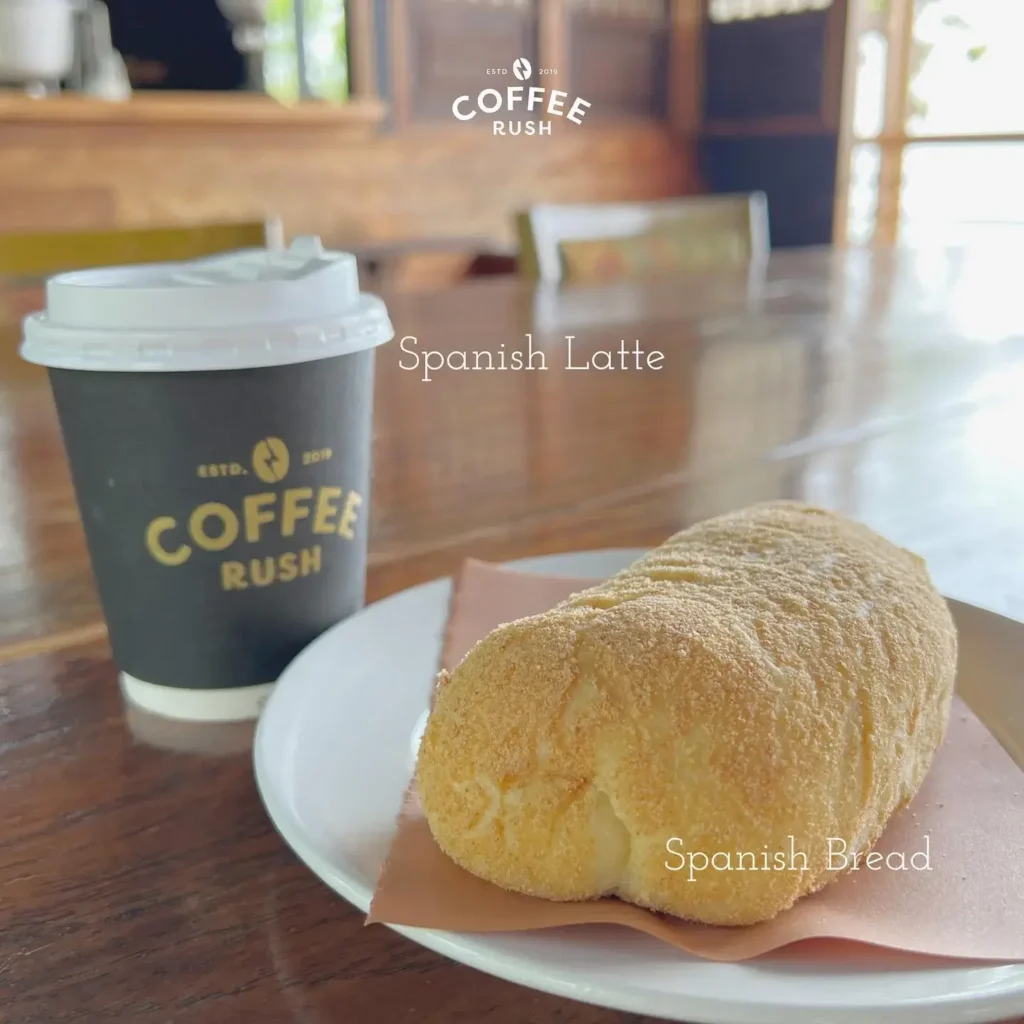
(47, 44)
(37, 43)
(249, 34)
(99, 70)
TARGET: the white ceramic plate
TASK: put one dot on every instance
(334, 751)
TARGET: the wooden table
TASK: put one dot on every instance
(140, 878)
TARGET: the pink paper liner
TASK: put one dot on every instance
(968, 904)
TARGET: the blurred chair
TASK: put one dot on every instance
(601, 242)
(36, 254)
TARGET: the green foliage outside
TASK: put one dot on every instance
(326, 55)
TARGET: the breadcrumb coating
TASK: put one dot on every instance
(763, 682)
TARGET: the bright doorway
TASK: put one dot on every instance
(934, 139)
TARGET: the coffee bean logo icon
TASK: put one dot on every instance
(521, 69)
(270, 460)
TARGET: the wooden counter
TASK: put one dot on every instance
(73, 163)
(190, 109)
(364, 176)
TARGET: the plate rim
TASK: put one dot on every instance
(967, 1006)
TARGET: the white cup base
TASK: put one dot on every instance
(234, 705)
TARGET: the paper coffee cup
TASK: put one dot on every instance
(217, 419)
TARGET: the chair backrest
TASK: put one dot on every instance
(582, 241)
(32, 254)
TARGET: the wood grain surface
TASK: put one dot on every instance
(140, 878)
(341, 181)
(226, 109)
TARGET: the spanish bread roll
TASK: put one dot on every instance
(770, 683)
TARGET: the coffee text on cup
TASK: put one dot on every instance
(304, 513)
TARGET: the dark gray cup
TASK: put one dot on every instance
(225, 509)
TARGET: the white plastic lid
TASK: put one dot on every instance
(254, 307)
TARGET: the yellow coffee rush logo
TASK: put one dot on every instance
(270, 460)
(305, 513)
